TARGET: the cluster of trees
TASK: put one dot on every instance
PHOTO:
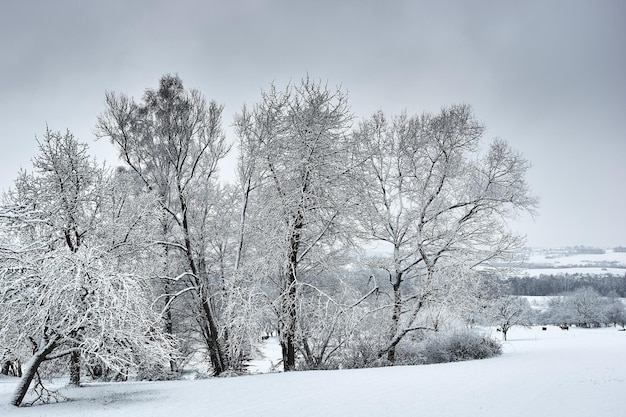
(584, 307)
(128, 269)
(549, 285)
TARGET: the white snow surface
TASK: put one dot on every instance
(580, 372)
(565, 261)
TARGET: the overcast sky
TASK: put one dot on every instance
(547, 76)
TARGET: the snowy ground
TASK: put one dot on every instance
(580, 372)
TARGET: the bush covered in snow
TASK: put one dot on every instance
(458, 346)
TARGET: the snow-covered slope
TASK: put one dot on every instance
(580, 372)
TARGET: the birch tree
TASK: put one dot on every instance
(173, 141)
(438, 203)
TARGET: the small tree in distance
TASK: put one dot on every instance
(615, 310)
(588, 307)
(510, 311)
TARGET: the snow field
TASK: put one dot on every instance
(546, 263)
(565, 258)
(580, 372)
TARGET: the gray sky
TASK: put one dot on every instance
(547, 76)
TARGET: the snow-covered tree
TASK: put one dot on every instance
(509, 311)
(439, 204)
(60, 303)
(333, 318)
(615, 310)
(73, 268)
(299, 137)
(173, 142)
(65, 188)
(588, 307)
(583, 307)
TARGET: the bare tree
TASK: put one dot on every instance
(510, 311)
(438, 204)
(173, 141)
(300, 139)
(333, 316)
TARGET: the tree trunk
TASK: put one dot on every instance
(289, 315)
(167, 318)
(215, 351)
(75, 368)
(169, 329)
(288, 327)
(167, 289)
(213, 344)
(395, 317)
(242, 225)
(30, 371)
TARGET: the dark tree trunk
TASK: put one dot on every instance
(288, 327)
(169, 326)
(289, 315)
(75, 368)
(395, 317)
(213, 343)
(167, 289)
(215, 351)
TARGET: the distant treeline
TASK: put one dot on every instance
(558, 284)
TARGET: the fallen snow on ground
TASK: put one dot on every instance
(580, 372)
(270, 359)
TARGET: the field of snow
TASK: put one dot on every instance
(568, 256)
(567, 261)
(580, 372)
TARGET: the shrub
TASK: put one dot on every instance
(458, 346)
(156, 373)
(362, 354)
